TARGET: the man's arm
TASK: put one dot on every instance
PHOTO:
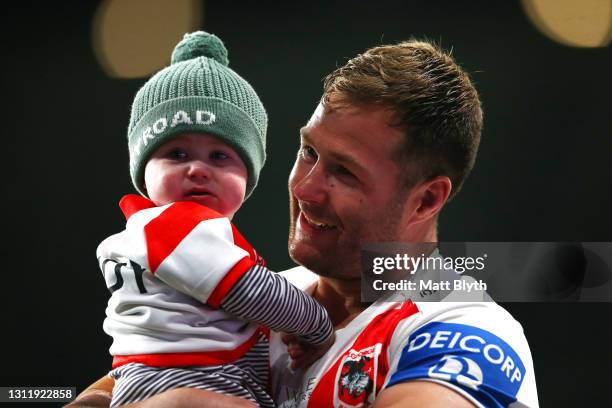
(421, 394)
(98, 395)
(476, 350)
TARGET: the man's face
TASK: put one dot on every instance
(344, 189)
(199, 168)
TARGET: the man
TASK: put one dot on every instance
(394, 137)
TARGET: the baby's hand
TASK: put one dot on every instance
(303, 354)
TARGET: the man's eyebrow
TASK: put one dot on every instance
(304, 134)
(348, 160)
(341, 157)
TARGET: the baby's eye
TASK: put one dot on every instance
(218, 155)
(177, 154)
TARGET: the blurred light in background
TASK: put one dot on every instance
(576, 23)
(134, 38)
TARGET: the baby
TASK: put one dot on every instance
(191, 301)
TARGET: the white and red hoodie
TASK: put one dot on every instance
(176, 271)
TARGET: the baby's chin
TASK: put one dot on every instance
(208, 201)
(211, 202)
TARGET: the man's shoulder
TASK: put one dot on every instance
(300, 277)
(467, 310)
(486, 315)
(467, 346)
(480, 319)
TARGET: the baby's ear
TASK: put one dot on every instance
(144, 187)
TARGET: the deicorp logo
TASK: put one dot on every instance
(460, 369)
(476, 360)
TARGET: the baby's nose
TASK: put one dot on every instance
(199, 169)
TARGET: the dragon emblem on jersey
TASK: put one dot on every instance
(355, 381)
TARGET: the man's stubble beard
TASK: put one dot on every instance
(345, 262)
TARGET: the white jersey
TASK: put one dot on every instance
(475, 348)
(168, 271)
(163, 320)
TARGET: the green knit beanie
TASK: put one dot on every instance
(198, 93)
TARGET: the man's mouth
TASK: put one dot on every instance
(315, 223)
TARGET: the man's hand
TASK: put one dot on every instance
(192, 398)
(303, 354)
(98, 395)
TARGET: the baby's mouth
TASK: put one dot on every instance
(199, 193)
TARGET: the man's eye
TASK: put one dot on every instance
(218, 155)
(308, 153)
(344, 171)
(177, 154)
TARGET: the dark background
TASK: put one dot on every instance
(542, 174)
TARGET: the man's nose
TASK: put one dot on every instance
(309, 184)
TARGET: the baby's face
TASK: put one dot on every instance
(199, 168)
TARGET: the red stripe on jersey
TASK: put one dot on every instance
(166, 231)
(132, 203)
(378, 331)
(228, 281)
(242, 243)
(189, 359)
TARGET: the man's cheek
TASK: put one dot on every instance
(293, 175)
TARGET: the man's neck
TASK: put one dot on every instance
(341, 299)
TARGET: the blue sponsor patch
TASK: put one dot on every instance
(477, 361)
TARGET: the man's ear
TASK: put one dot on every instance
(426, 199)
